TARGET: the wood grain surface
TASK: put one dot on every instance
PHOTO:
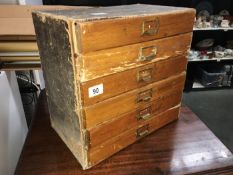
(123, 58)
(101, 133)
(127, 29)
(183, 147)
(114, 107)
(122, 140)
(121, 82)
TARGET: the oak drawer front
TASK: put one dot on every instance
(105, 62)
(115, 127)
(115, 144)
(99, 89)
(113, 107)
(109, 33)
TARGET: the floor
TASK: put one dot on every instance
(215, 109)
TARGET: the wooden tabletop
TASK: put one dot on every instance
(183, 147)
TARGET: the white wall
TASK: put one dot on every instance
(39, 78)
(13, 127)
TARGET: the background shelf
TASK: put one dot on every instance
(212, 59)
(213, 28)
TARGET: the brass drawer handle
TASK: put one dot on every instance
(144, 96)
(144, 114)
(142, 131)
(141, 134)
(145, 75)
(150, 27)
(147, 53)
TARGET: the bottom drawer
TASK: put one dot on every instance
(108, 148)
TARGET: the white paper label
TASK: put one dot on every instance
(96, 90)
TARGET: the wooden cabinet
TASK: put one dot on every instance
(113, 74)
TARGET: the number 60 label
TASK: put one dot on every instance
(95, 90)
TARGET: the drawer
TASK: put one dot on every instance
(108, 130)
(113, 107)
(103, 88)
(97, 32)
(113, 60)
(115, 144)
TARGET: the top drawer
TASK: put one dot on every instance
(108, 27)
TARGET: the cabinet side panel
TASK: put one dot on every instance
(57, 64)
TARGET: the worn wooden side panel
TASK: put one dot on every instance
(115, 144)
(108, 61)
(111, 129)
(58, 68)
(124, 81)
(116, 106)
(110, 33)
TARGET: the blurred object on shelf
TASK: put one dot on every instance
(218, 54)
(225, 23)
(219, 48)
(219, 51)
(228, 52)
(213, 53)
(224, 13)
(205, 44)
(217, 75)
(204, 8)
(205, 20)
(204, 14)
(229, 44)
(193, 55)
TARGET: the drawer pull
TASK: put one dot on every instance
(144, 114)
(144, 96)
(150, 27)
(147, 53)
(145, 75)
(142, 131)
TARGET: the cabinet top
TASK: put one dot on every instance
(113, 12)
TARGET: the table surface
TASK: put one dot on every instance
(183, 147)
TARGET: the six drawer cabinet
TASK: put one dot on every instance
(113, 74)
